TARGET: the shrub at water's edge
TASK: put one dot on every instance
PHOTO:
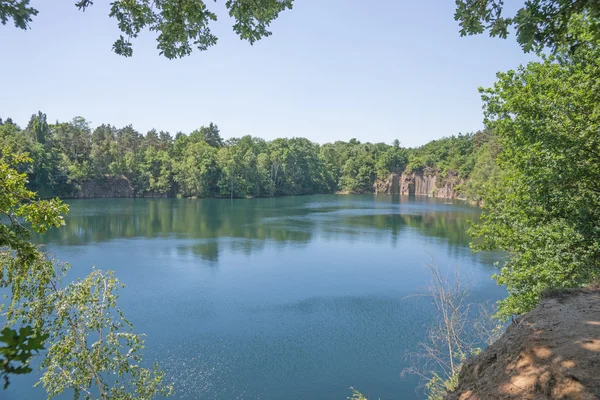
(90, 348)
(543, 205)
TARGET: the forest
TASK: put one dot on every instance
(68, 156)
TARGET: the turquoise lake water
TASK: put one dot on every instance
(283, 298)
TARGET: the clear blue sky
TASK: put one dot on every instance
(332, 70)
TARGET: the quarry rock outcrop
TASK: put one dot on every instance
(428, 182)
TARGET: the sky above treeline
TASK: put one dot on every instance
(332, 70)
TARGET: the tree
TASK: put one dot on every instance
(197, 172)
(485, 171)
(538, 24)
(48, 171)
(457, 333)
(229, 159)
(90, 345)
(151, 140)
(158, 167)
(165, 141)
(92, 349)
(18, 350)
(18, 254)
(356, 395)
(73, 139)
(330, 158)
(209, 134)
(103, 151)
(128, 141)
(277, 149)
(393, 159)
(19, 11)
(359, 171)
(544, 207)
(38, 127)
(182, 25)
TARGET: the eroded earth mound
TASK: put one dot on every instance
(552, 352)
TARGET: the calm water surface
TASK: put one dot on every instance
(286, 298)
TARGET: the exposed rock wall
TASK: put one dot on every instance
(106, 187)
(422, 183)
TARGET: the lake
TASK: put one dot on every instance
(277, 298)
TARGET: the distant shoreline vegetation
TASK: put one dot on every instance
(70, 160)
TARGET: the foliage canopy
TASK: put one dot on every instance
(538, 23)
(90, 346)
(543, 207)
(67, 157)
(181, 25)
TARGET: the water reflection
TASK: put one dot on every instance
(245, 225)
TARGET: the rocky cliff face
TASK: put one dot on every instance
(422, 183)
(107, 187)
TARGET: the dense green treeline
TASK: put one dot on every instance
(67, 155)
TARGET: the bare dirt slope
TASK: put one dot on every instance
(552, 352)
